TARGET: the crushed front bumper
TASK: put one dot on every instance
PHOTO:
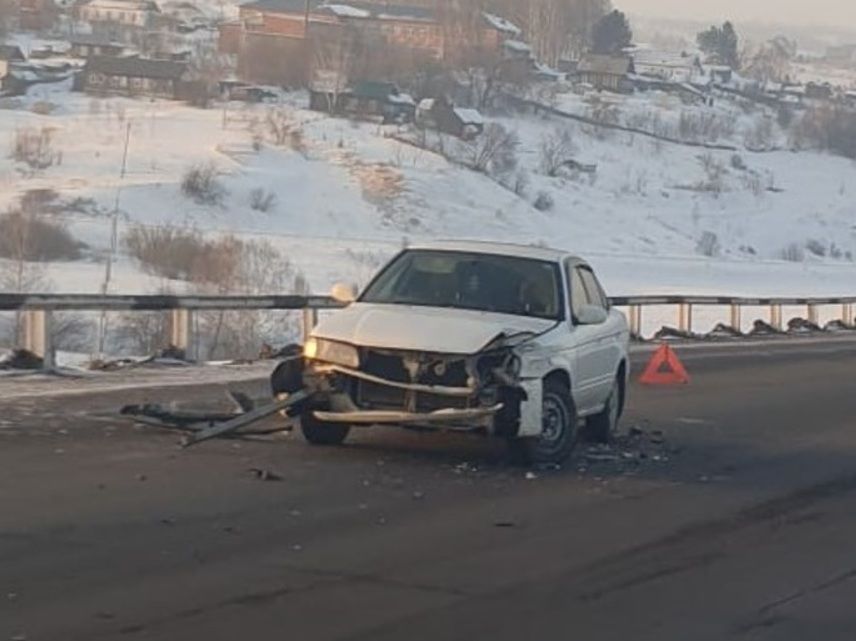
(408, 404)
(451, 418)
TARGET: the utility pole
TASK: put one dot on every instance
(307, 11)
(114, 244)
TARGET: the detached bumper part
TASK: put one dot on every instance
(439, 417)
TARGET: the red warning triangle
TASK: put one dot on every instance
(665, 368)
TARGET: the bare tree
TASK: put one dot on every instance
(34, 148)
(555, 28)
(771, 61)
(556, 149)
(7, 9)
(494, 152)
(333, 61)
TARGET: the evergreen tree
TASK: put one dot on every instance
(612, 33)
(721, 44)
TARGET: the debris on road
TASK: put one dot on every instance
(531, 476)
(202, 426)
(264, 475)
(21, 359)
(466, 468)
(601, 454)
(627, 452)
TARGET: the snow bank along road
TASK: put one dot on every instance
(736, 524)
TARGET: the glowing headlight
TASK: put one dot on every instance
(310, 348)
(331, 352)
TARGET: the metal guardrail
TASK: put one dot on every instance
(38, 310)
(94, 302)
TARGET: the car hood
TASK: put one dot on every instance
(423, 329)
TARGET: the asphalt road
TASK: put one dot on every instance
(728, 514)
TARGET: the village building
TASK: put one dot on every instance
(9, 55)
(119, 18)
(274, 40)
(89, 45)
(183, 17)
(607, 72)
(441, 114)
(367, 99)
(668, 65)
(135, 76)
(37, 15)
(720, 74)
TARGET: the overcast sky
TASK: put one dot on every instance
(801, 12)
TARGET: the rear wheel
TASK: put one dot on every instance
(559, 428)
(602, 427)
(320, 433)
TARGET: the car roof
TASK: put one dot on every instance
(500, 249)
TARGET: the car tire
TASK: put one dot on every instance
(320, 433)
(601, 428)
(560, 433)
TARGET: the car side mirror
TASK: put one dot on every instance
(592, 315)
(342, 293)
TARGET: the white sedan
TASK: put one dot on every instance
(515, 341)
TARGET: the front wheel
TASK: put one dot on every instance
(320, 433)
(601, 428)
(559, 429)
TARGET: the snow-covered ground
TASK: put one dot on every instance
(348, 195)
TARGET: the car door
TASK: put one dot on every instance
(586, 357)
(607, 351)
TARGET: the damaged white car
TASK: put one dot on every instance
(514, 341)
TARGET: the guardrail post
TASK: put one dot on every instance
(847, 315)
(38, 335)
(813, 314)
(736, 318)
(181, 331)
(310, 320)
(635, 313)
(685, 317)
(776, 316)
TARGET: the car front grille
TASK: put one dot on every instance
(383, 397)
(433, 370)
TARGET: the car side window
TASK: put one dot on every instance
(578, 294)
(595, 292)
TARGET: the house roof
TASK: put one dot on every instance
(345, 9)
(469, 116)
(11, 52)
(283, 6)
(375, 90)
(379, 11)
(517, 45)
(502, 25)
(135, 67)
(670, 59)
(606, 64)
(94, 40)
(125, 5)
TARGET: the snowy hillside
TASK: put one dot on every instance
(653, 216)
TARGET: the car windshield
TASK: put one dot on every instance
(483, 282)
